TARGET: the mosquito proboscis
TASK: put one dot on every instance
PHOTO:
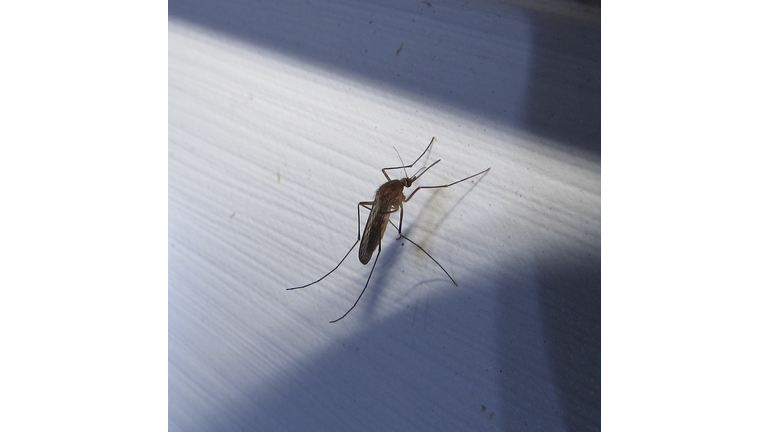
(389, 198)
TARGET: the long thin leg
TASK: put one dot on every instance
(443, 186)
(400, 228)
(326, 275)
(384, 170)
(360, 204)
(400, 234)
(366, 286)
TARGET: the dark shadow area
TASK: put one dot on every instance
(568, 294)
(417, 369)
(520, 68)
(570, 300)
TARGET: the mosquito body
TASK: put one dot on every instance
(389, 198)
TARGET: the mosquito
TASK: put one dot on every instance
(389, 199)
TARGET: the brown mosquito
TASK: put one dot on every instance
(389, 199)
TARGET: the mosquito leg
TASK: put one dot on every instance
(361, 204)
(326, 275)
(421, 172)
(366, 286)
(444, 186)
(418, 173)
(384, 170)
(424, 250)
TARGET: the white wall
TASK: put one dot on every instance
(280, 119)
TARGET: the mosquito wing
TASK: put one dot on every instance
(377, 223)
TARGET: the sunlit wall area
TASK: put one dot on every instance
(281, 116)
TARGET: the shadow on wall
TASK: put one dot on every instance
(400, 375)
(568, 298)
(529, 70)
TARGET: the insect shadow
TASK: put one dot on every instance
(389, 199)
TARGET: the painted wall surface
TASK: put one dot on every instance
(281, 116)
